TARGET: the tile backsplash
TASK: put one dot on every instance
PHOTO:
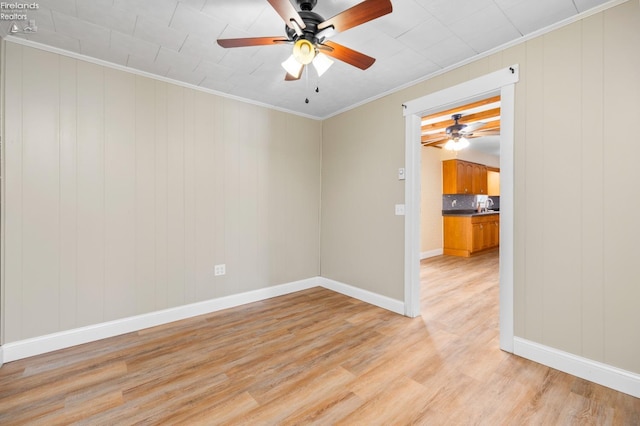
(466, 202)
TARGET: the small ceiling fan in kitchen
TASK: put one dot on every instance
(453, 135)
(309, 34)
(459, 133)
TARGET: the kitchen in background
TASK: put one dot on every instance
(453, 203)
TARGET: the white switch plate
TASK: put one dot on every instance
(401, 174)
(399, 209)
(219, 270)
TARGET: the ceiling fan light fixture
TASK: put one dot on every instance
(293, 67)
(450, 145)
(463, 143)
(456, 144)
(322, 63)
(304, 51)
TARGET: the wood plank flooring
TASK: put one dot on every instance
(315, 357)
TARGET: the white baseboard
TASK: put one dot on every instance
(602, 374)
(384, 302)
(64, 339)
(51, 342)
(431, 253)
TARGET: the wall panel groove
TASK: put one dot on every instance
(123, 192)
(576, 176)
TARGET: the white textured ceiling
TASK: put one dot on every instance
(176, 39)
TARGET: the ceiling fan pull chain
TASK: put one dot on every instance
(306, 83)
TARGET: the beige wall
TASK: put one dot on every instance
(431, 200)
(123, 192)
(362, 239)
(576, 175)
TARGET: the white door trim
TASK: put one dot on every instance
(499, 82)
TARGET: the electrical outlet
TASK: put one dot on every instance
(219, 270)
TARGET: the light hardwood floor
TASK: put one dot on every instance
(315, 357)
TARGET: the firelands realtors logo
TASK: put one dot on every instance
(16, 11)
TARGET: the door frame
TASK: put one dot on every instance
(500, 82)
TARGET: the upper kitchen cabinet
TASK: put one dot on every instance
(479, 179)
(493, 182)
(463, 177)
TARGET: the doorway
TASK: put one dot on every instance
(502, 83)
(460, 173)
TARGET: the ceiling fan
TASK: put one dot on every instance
(458, 133)
(309, 34)
(455, 137)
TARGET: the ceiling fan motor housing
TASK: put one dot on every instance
(307, 4)
(457, 127)
(311, 20)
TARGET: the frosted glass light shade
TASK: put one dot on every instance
(322, 63)
(456, 144)
(293, 67)
(450, 145)
(463, 143)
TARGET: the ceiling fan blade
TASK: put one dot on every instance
(350, 56)
(434, 137)
(473, 126)
(434, 145)
(493, 132)
(358, 14)
(289, 77)
(288, 13)
(433, 142)
(251, 41)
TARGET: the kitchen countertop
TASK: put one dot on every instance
(468, 213)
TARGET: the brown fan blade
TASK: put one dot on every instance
(358, 14)
(350, 56)
(434, 144)
(289, 77)
(287, 12)
(434, 139)
(251, 41)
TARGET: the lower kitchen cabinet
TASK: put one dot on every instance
(466, 235)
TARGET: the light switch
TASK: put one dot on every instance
(401, 174)
(399, 209)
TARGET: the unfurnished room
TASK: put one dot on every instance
(356, 212)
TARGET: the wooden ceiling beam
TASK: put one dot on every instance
(479, 116)
(441, 137)
(462, 108)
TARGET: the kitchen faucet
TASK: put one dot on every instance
(488, 203)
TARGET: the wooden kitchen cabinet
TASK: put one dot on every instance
(455, 177)
(463, 177)
(466, 235)
(493, 232)
(479, 179)
(493, 182)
